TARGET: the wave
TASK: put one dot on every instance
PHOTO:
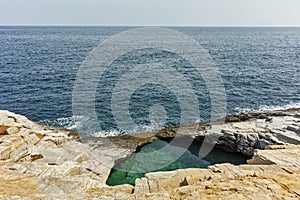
(64, 122)
(86, 125)
(269, 108)
(137, 129)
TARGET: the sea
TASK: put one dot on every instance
(259, 68)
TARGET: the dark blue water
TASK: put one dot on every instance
(260, 68)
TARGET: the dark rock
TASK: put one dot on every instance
(3, 130)
(231, 119)
(269, 119)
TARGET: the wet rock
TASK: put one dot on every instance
(230, 119)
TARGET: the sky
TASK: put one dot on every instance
(151, 12)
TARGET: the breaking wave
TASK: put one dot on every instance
(268, 108)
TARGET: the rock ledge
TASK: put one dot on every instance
(42, 162)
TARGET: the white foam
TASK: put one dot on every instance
(65, 122)
(81, 122)
(137, 129)
(107, 133)
(86, 125)
(269, 108)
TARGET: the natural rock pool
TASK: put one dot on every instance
(148, 158)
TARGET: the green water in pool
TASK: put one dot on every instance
(153, 157)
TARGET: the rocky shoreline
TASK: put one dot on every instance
(43, 162)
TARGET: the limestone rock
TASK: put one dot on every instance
(42, 162)
(244, 136)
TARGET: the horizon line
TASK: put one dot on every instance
(139, 25)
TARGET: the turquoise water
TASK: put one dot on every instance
(148, 158)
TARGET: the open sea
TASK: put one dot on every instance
(260, 69)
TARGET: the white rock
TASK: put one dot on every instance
(12, 130)
(5, 151)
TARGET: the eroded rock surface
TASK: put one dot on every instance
(244, 132)
(42, 162)
(38, 161)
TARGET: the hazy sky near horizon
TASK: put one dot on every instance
(150, 12)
